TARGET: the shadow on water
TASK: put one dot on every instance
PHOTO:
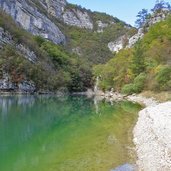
(47, 133)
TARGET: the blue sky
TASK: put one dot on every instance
(125, 10)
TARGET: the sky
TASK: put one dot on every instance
(125, 10)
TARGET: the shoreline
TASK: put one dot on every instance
(152, 132)
(152, 138)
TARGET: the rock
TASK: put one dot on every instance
(26, 87)
(157, 17)
(152, 137)
(76, 17)
(101, 26)
(135, 38)
(142, 100)
(69, 15)
(6, 84)
(117, 45)
(27, 53)
(6, 39)
(125, 167)
(77, 51)
(32, 20)
(54, 7)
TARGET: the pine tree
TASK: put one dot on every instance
(138, 61)
(160, 5)
(141, 18)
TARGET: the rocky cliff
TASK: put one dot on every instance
(32, 16)
(69, 14)
(25, 86)
(77, 17)
(7, 39)
(118, 44)
(32, 20)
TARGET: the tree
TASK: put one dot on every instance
(141, 17)
(160, 5)
(138, 60)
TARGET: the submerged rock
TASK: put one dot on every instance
(125, 167)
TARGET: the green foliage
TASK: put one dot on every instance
(39, 40)
(57, 54)
(19, 35)
(56, 66)
(137, 86)
(75, 73)
(160, 5)
(116, 72)
(151, 55)
(139, 82)
(19, 68)
(93, 45)
(138, 61)
(163, 77)
(128, 89)
(141, 18)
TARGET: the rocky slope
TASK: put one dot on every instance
(117, 45)
(7, 39)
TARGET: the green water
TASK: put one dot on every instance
(64, 134)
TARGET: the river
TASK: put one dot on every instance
(48, 133)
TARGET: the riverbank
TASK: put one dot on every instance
(152, 137)
(152, 133)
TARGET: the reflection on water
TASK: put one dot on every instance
(46, 133)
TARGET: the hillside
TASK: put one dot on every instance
(145, 66)
(52, 45)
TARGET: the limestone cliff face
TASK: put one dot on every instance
(117, 45)
(68, 14)
(79, 18)
(54, 7)
(24, 86)
(6, 39)
(32, 20)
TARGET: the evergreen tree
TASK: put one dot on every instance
(138, 61)
(160, 5)
(141, 18)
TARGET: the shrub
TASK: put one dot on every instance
(128, 89)
(139, 82)
(135, 87)
(163, 78)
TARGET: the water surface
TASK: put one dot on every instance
(44, 133)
